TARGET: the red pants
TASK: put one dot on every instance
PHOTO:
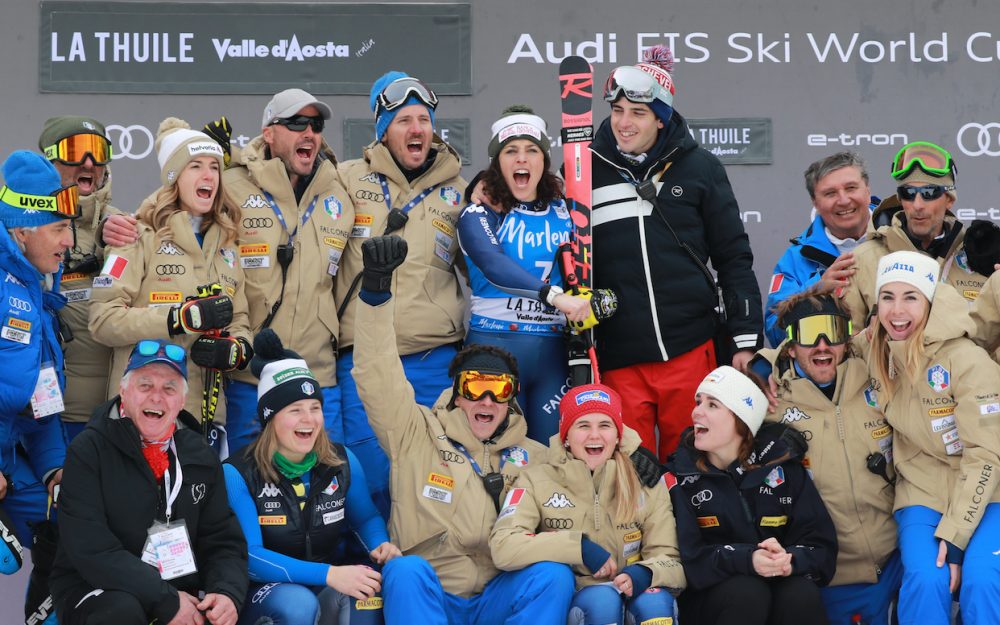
(659, 396)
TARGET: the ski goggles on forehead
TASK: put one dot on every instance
(927, 191)
(173, 352)
(473, 385)
(399, 91)
(64, 202)
(932, 159)
(74, 149)
(299, 123)
(636, 85)
(807, 331)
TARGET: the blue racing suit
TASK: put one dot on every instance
(511, 256)
(28, 342)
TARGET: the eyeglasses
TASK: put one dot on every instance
(473, 385)
(173, 352)
(932, 159)
(807, 332)
(399, 91)
(64, 202)
(927, 191)
(74, 149)
(300, 122)
(639, 85)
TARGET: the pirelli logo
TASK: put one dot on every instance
(165, 297)
(20, 324)
(441, 480)
(272, 520)
(335, 242)
(68, 277)
(258, 249)
(708, 521)
(363, 220)
(374, 603)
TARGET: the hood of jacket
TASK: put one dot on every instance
(672, 141)
(380, 160)
(262, 168)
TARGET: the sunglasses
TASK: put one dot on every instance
(300, 123)
(807, 331)
(64, 202)
(637, 86)
(473, 385)
(930, 158)
(927, 191)
(173, 352)
(399, 91)
(74, 149)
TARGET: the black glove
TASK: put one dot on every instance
(381, 256)
(225, 353)
(222, 131)
(982, 246)
(647, 466)
(200, 314)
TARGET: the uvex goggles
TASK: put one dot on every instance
(637, 86)
(473, 385)
(73, 150)
(807, 332)
(927, 191)
(399, 91)
(65, 202)
(932, 159)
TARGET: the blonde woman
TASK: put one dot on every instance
(586, 508)
(941, 398)
(153, 287)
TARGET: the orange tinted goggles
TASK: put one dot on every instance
(73, 150)
(473, 385)
(65, 201)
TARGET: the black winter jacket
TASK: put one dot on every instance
(636, 255)
(110, 498)
(723, 515)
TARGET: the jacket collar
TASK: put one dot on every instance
(447, 165)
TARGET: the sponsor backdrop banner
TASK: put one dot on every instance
(111, 47)
(769, 86)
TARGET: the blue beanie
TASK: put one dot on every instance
(383, 117)
(31, 174)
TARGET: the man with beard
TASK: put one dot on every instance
(81, 152)
(407, 183)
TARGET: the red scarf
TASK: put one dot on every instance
(155, 453)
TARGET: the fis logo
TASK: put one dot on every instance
(558, 500)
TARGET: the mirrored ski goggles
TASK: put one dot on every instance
(74, 149)
(932, 159)
(473, 385)
(637, 86)
(300, 122)
(64, 202)
(927, 191)
(807, 332)
(399, 91)
(149, 347)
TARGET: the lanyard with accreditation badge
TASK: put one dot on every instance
(168, 546)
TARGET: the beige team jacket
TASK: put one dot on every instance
(946, 422)
(426, 285)
(860, 293)
(87, 361)
(159, 275)
(440, 508)
(841, 434)
(553, 505)
(307, 318)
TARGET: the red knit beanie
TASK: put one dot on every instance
(588, 399)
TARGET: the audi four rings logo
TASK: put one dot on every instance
(257, 222)
(558, 524)
(701, 497)
(362, 194)
(975, 139)
(19, 304)
(134, 142)
(170, 270)
(450, 456)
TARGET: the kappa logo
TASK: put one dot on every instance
(558, 500)
(197, 492)
(269, 490)
(793, 414)
(369, 177)
(167, 247)
(254, 201)
(938, 378)
(268, 412)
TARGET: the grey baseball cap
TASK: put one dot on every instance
(289, 102)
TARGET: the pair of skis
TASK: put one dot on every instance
(576, 81)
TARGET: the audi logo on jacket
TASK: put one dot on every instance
(723, 515)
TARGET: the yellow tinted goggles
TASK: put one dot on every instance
(473, 385)
(807, 331)
(65, 201)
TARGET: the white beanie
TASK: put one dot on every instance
(913, 268)
(177, 145)
(738, 393)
